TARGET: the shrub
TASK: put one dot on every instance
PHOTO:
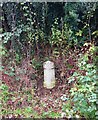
(83, 91)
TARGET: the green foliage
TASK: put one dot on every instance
(56, 38)
(29, 28)
(6, 36)
(3, 87)
(83, 94)
(62, 37)
(66, 106)
(50, 114)
(71, 15)
(9, 98)
(95, 33)
(17, 58)
(4, 97)
(36, 64)
(3, 51)
(32, 25)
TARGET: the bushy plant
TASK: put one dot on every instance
(61, 37)
(84, 86)
(56, 37)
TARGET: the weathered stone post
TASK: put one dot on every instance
(49, 74)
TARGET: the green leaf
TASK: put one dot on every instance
(28, 110)
(4, 87)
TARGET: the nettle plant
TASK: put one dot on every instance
(83, 91)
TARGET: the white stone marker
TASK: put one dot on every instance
(49, 74)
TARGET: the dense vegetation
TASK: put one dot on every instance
(65, 33)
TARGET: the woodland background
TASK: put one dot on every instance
(63, 32)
